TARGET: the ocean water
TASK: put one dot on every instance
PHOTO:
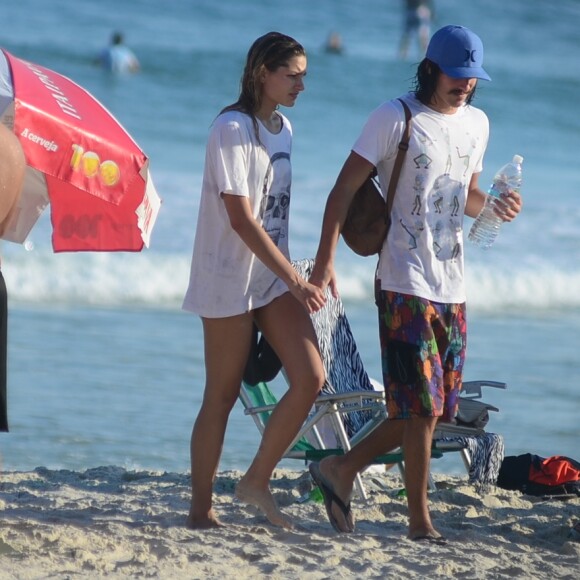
(104, 367)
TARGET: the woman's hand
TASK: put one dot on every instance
(312, 297)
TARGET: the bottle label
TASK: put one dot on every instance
(497, 187)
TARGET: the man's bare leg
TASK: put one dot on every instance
(340, 470)
(417, 441)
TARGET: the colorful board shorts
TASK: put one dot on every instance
(423, 346)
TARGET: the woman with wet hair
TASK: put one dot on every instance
(241, 275)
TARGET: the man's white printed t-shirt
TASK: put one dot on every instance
(423, 254)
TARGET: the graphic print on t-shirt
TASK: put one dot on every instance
(444, 218)
(276, 197)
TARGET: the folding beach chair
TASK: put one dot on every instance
(351, 404)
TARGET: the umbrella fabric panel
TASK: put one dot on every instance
(67, 133)
(94, 224)
(80, 160)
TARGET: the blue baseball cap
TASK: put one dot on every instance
(458, 52)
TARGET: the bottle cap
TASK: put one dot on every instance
(517, 159)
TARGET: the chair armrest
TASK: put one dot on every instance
(472, 389)
(451, 428)
(256, 410)
(351, 396)
(353, 402)
(473, 407)
(448, 445)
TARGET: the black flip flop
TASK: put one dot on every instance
(331, 498)
(438, 540)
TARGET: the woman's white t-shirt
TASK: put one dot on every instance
(423, 254)
(226, 277)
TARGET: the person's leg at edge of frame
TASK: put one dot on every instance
(288, 328)
(3, 354)
(231, 335)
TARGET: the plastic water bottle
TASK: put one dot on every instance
(486, 226)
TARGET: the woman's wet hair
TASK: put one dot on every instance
(270, 52)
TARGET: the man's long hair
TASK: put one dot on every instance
(426, 82)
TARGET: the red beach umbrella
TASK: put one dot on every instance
(80, 160)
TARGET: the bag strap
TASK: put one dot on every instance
(403, 146)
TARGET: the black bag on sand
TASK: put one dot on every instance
(535, 475)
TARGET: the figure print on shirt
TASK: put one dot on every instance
(415, 230)
(422, 161)
(444, 221)
(466, 159)
(419, 189)
(447, 141)
(465, 156)
(276, 197)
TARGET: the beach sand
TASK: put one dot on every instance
(112, 522)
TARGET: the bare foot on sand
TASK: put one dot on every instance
(202, 521)
(265, 502)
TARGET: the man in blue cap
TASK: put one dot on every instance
(419, 283)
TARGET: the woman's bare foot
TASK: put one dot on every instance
(265, 502)
(202, 521)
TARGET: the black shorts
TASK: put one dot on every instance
(3, 353)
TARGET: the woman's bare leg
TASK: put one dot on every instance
(288, 329)
(227, 346)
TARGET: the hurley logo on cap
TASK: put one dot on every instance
(458, 52)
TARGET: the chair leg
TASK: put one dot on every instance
(359, 486)
(431, 483)
(466, 459)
